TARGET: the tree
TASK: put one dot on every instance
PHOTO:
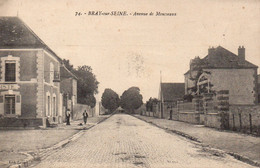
(87, 85)
(150, 103)
(110, 100)
(90, 100)
(68, 65)
(131, 99)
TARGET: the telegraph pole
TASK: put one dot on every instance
(161, 94)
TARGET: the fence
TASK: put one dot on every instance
(245, 118)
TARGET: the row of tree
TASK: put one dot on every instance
(87, 85)
(130, 100)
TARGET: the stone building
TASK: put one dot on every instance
(169, 93)
(29, 75)
(223, 70)
(68, 88)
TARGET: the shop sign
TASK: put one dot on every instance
(9, 87)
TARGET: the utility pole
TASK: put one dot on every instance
(161, 94)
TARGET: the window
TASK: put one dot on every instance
(10, 68)
(10, 73)
(54, 106)
(49, 101)
(9, 104)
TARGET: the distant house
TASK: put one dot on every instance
(169, 93)
(223, 70)
(68, 88)
(29, 75)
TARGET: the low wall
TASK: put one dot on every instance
(78, 110)
(212, 120)
(148, 113)
(245, 118)
(190, 117)
(202, 119)
(20, 122)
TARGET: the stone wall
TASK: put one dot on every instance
(245, 119)
(78, 110)
(212, 120)
(190, 117)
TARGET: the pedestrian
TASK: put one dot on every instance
(171, 114)
(85, 116)
(68, 117)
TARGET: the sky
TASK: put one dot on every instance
(126, 51)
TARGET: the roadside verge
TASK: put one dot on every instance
(242, 147)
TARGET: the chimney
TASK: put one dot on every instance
(211, 54)
(241, 54)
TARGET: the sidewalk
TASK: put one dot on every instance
(20, 145)
(242, 146)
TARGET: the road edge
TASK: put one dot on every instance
(47, 151)
(194, 139)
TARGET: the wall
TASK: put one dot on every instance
(74, 90)
(26, 80)
(28, 97)
(27, 63)
(50, 87)
(239, 82)
(212, 120)
(78, 110)
(66, 85)
(239, 118)
(189, 117)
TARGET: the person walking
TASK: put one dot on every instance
(68, 117)
(85, 116)
(171, 114)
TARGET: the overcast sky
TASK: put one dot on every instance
(127, 51)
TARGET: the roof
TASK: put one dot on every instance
(14, 33)
(65, 73)
(222, 58)
(172, 91)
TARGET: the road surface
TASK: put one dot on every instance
(125, 141)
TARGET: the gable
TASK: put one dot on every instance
(172, 91)
(14, 33)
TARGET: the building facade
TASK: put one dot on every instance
(29, 74)
(223, 70)
(68, 85)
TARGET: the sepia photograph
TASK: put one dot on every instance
(129, 83)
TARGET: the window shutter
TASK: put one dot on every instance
(18, 105)
(1, 105)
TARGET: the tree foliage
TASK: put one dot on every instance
(131, 99)
(87, 84)
(68, 65)
(197, 65)
(150, 103)
(110, 100)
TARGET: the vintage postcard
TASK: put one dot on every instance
(129, 83)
